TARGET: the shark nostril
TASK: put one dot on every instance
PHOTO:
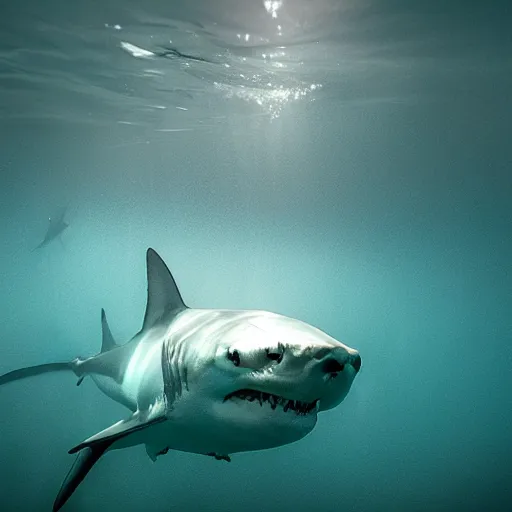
(333, 366)
(356, 362)
(234, 357)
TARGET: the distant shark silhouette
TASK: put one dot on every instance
(56, 226)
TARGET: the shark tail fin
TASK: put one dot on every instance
(32, 371)
(84, 462)
(108, 343)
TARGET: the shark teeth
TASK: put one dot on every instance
(300, 408)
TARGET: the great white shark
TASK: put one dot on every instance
(207, 381)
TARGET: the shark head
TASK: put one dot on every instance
(271, 375)
(234, 380)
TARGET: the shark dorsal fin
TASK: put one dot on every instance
(163, 294)
(107, 340)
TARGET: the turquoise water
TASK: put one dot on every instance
(345, 163)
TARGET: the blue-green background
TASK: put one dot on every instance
(380, 212)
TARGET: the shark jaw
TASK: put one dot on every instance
(248, 420)
(268, 420)
(275, 402)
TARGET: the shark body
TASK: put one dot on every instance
(206, 381)
(56, 226)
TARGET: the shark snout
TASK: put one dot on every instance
(338, 368)
(334, 366)
(356, 362)
(337, 360)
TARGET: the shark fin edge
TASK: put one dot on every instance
(107, 340)
(164, 297)
(32, 371)
(90, 451)
(84, 462)
(118, 431)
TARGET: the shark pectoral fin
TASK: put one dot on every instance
(93, 448)
(85, 460)
(139, 420)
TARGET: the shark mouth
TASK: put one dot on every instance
(300, 408)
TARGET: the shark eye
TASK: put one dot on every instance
(234, 357)
(254, 358)
(276, 355)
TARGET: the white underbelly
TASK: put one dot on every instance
(114, 390)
